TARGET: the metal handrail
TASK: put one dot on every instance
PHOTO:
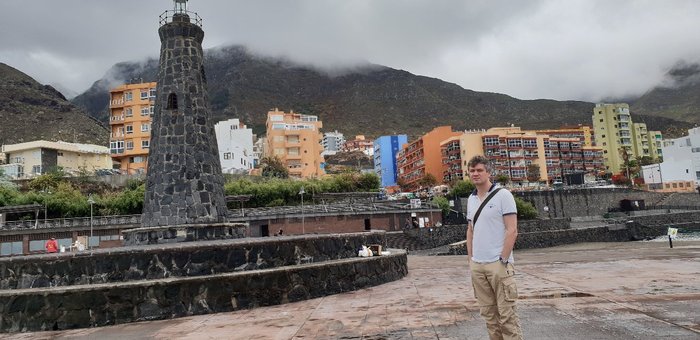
(167, 17)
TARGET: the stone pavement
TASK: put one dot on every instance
(633, 290)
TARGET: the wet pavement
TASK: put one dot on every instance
(633, 290)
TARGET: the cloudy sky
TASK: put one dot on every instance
(559, 49)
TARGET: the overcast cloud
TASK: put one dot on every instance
(573, 49)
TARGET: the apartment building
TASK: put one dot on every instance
(681, 158)
(385, 149)
(359, 143)
(583, 133)
(235, 142)
(423, 156)
(332, 142)
(27, 160)
(131, 108)
(513, 151)
(621, 138)
(296, 140)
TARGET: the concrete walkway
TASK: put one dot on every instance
(634, 290)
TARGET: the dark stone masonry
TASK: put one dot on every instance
(119, 285)
(184, 182)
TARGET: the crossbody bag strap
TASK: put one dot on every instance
(483, 204)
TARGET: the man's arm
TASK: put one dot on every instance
(511, 222)
(470, 237)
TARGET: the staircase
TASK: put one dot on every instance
(665, 198)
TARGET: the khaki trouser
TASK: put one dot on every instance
(496, 293)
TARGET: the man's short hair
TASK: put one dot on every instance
(480, 160)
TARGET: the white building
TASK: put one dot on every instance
(235, 143)
(682, 158)
(30, 159)
(332, 142)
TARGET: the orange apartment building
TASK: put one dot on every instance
(513, 150)
(295, 139)
(131, 107)
(423, 156)
(584, 133)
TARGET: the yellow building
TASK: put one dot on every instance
(27, 160)
(617, 134)
(296, 140)
(656, 145)
(640, 140)
(612, 125)
(131, 109)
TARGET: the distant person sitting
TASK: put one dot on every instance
(280, 232)
(51, 246)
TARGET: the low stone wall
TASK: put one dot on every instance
(528, 226)
(440, 236)
(584, 202)
(178, 259)
(667, 219)
(99, 305)
(630, 231)
(184, 233)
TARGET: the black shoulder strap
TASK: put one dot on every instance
(483, 204)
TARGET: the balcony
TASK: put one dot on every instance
(116, 103)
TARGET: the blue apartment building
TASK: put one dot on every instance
(385, 150)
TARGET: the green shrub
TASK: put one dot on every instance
(442, 203)
(526, 210)
(462, 189)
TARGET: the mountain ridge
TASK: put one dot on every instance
(31, 111)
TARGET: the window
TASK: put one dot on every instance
(172, 102)
(601, 120)
(152, 93)
(491, 141)
(60, 154)
(130, 145)
(276, 118)
(145, 144)
(227, 155)
(697, 175)
(128, 96)
(145, 127)
(137, 159)
(36, 169)
(128, 112)
(129, 129)
(144, 94)
(145, 111)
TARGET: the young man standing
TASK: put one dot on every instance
(491, 233)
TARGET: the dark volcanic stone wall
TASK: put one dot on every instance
(584, 202)
(178, 259)
(184, 181)
(440, 236)
(90, 306)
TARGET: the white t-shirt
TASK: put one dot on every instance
(490, 230)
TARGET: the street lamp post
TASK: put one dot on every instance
(92, 202)
(301, 193)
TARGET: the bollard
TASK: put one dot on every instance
(670, 241)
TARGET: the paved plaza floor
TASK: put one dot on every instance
(633, 290)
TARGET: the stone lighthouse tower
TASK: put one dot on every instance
(184, 182)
